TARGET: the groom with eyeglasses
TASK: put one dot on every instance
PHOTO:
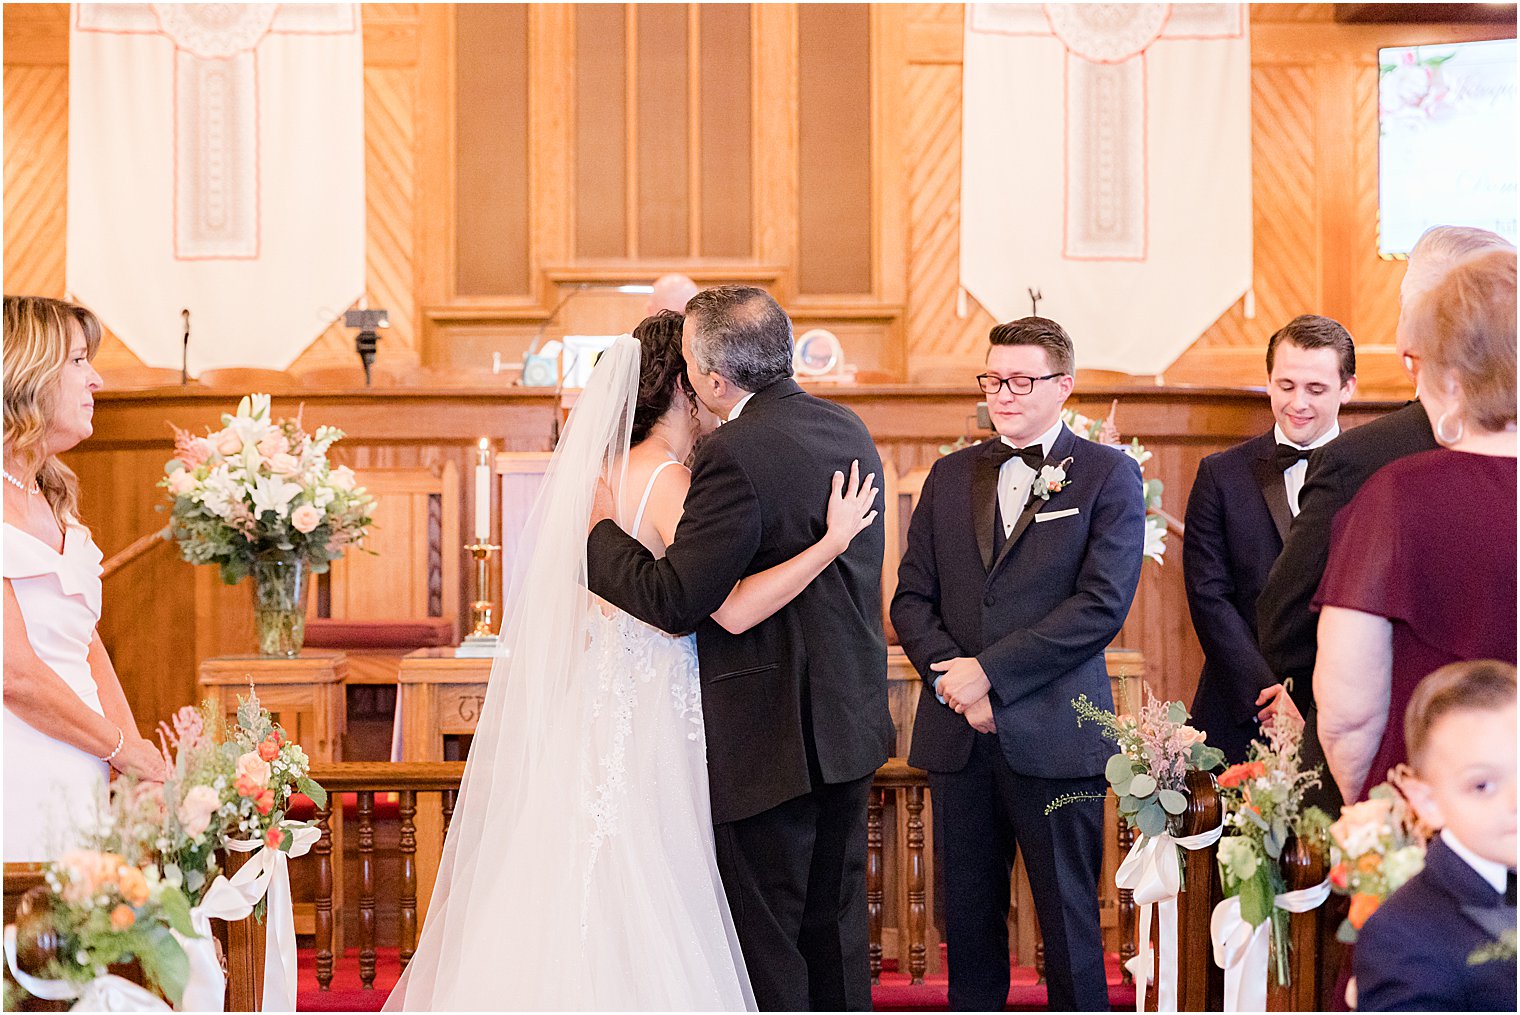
(1023, 557)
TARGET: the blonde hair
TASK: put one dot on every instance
(1465, 326)
(1437, 250)
(37, 340)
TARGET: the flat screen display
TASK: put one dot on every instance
(1447, 125)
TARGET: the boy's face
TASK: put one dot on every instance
(1466, 781)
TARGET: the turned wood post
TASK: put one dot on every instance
(1304, 865)
(245, 952)
(408, 847)
(1201, 891)
(366, 813)
(875, 892)
(323, 904)
(917, 894)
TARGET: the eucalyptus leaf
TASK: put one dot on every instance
(312, 789)
(1118, 768)
(1122, 787)
(1151, 820)
(1128, 804)
(1142, 785)
(1345, 933)
(1171, 801)
(1255, 900)
(176, 910)
(1177, 712)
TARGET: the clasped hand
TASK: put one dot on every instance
(964, 686)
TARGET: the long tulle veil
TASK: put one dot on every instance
(494, 901)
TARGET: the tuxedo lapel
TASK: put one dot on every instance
(984, 492)
(1059, 451)
(1273, 489)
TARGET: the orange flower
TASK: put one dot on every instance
(246, 786)
(265, 801)
(133, 886)
(1235, 775)
(1368, 862)
(1362, 906)
(1339, 876)
(122, 917)
(274, 837)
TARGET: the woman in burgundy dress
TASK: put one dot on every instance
(1422, 561)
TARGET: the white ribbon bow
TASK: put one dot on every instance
(104, 993)
(268, 872)
(206, 987)
(1153, 874)
(1242, 951)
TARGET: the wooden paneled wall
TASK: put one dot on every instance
(514, 152)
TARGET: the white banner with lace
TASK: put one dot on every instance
(216, 165)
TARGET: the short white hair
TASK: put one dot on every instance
(1438, 250)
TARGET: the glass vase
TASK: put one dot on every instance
(279, 604)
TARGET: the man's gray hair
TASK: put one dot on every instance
(738, 331)
(1438, 250)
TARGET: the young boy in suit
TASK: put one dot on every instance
(1445, 941)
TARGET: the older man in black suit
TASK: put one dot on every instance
(1238, 514)
(1023, 557)
(795, 707)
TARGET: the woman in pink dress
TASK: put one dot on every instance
(67, 722)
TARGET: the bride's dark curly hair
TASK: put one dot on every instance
(661, 368)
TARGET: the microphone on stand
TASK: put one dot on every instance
(184, 356)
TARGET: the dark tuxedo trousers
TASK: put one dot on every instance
(1037, 613)
(795, 708)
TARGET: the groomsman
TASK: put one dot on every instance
(1022, 561)
(1238, 516)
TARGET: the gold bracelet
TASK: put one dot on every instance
(121, 738)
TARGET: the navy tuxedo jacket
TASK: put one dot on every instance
(1037, 617)
(1412, 954)
(1237, 518)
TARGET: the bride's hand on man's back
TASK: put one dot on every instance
(851, 507)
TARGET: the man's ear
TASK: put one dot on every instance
(1423, 799)
(1348, 389)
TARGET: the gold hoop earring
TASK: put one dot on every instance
(1441, 434)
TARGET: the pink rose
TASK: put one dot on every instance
(283, 464)
(1187, 736)
(273, 443)
(305, 518)
(196, 809)
(342, 478)
(264, 801)
(181, 482)
(254, 768)
(228, 442)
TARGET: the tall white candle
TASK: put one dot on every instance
(483, 492)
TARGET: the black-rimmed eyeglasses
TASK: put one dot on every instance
(1018, 384)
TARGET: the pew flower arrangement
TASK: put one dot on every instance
(258, 485)
(1157, 749)
(1375, 846)
(1264, 808)
(1104, 431)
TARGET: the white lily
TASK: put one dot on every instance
(270, 493)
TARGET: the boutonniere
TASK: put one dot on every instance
(1052, 479)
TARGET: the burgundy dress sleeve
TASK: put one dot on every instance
(1368, 570)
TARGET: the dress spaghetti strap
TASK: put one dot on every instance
(638, 516)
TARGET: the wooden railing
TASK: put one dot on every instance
(908, 786)
(139, 546)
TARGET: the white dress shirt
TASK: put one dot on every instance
(1293, 476)
(1015, 478)
(733, 413)
(1495, 873)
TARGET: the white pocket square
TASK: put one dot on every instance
(1050, 516)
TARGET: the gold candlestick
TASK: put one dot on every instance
(482, 639)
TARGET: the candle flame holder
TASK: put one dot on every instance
(482, 639)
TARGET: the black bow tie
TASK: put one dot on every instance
(1033, 456)
(1289, 456)
(1509, 888)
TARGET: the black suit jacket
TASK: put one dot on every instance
(1237, 515)
(1412, 954)
(806, 689)
(1285, 623)
(1037, 617)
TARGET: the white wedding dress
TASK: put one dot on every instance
(579, 871)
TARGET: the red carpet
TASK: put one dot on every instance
(894, 993)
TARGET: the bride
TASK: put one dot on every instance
(579, 871)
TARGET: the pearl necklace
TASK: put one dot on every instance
(34, 489)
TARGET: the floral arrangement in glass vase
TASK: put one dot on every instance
(1264, 809)
(1375, 846)
(1105, 431)
(259, 497)
(1157, 750)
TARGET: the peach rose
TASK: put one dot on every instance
(305, 518)
(284, 465)
(273, 443)
(269, 750)
(264, 801)
(196, 809)
(132, 884)
(181, 482)
(1362, 907)
(228, 442)
(342, 477)
(274, 838)
(122, 917)
(253, 767)
(245, 786)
